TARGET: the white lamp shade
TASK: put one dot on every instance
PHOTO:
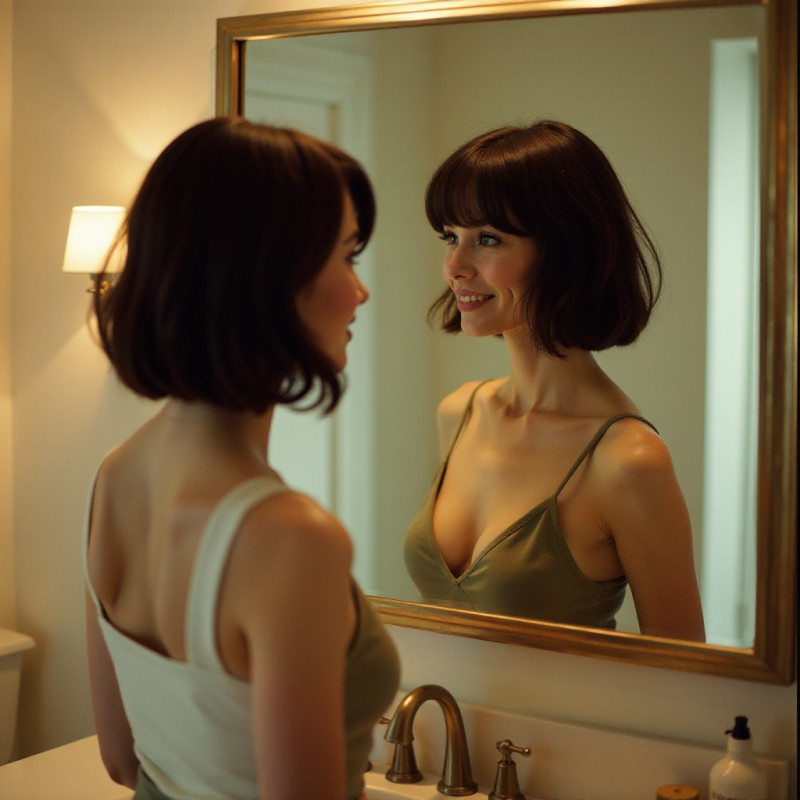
(91, 233)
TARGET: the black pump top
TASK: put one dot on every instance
(740, 729)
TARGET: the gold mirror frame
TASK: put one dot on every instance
(772, 657)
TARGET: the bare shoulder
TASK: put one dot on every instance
(293, 528)
(285, 545)
(114, 469)
(287, 583)
(632, 453)
(453, 404)
(449, 413)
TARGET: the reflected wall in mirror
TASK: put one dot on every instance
(652, 89)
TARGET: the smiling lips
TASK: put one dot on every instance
(471, 302)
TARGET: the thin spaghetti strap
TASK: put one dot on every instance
(464, 416)
(210, 561)
(593, 443)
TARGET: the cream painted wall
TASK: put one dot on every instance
(99, 88)
(6, 539)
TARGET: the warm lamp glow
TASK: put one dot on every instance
(91, 233)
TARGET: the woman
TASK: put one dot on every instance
(231, 654)
(553, 493)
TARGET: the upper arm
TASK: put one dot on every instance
(113, 730)
(646, 513)
(296, 612)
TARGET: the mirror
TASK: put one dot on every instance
(652, 112)
(271, 67)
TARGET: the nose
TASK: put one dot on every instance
(362, 291)
(457, 263)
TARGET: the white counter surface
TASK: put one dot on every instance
(71, 772)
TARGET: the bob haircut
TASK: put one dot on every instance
(232, 220)
(597, 276)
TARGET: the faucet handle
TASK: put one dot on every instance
(506, 785)
(507, 747)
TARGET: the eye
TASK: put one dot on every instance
(486, 239)
(355, 252)
(449, 237)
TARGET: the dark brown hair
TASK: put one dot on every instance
(597, 276)
(231, 221)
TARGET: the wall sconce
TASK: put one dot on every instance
(91, 233)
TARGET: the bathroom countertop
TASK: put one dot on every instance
(55, 774)
(621, 765)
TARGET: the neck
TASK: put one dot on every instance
(543, 382)
(243, 430)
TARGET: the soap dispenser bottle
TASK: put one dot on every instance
(738, 776)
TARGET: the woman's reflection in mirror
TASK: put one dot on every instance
(554, 493)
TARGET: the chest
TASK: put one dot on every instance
(498, 473)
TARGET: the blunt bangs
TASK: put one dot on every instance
(473, 187)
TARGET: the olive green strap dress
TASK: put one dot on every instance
(526, 571)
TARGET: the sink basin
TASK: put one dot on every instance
(378, 788)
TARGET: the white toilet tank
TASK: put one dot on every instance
(12, 645)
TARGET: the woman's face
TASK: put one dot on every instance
(327, 305)
(488, 271)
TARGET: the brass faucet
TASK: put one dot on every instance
(457, 773)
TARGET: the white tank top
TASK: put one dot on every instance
(191, 721)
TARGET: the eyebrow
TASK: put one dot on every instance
(484, 223)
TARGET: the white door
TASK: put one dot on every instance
(292, 84)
